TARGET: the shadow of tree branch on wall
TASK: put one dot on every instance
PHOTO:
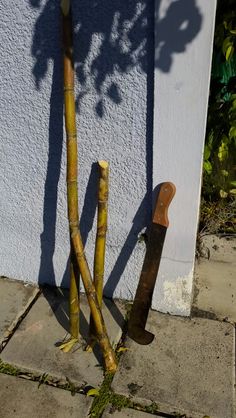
(179, 27)
(111, 38)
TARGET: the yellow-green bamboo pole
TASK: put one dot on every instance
(74, 305)
(101, 334)
(70, 123)
(100, 246)
(71, 163)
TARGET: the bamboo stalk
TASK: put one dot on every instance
(74, 305)
(72, 194)
(101, 334)
(100, 246)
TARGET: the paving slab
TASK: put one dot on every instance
(215, 290)
(126, 413)
(216, 277)
(219, 248)
(33, 347)
(15, 298)
(23, 398)
(188, 369)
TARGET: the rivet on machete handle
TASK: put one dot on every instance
(143, 297)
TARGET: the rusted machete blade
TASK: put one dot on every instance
(143, 297)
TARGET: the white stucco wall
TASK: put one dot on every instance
(180, 109)
(114, 62)
(112, 66)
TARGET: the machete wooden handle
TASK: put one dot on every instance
(165, 196)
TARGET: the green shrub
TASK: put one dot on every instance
(219, 167)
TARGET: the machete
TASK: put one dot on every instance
(144, 292)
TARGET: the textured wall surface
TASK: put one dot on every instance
(113, 46)
(183, 58)
(114, 61)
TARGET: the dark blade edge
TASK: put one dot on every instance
(143, 298)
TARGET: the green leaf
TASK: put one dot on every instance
(233, 31)
(225, 139)
(233, 183)
(207, 152)
(121, 349)
(93, 392)
(225, 173)
(227, 42)
(225, 23)
(232, 132)
(223, 194)
(223, 151)
(229, 52)
(233, 106)
(210, 139)
(233, 192)
(207, 167)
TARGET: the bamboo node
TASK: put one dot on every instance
(71, 137)
(69, 88)
(80, 255)
(92, 291)
(101, 234)
(74, 224)
(99, 276)
(71, 181)
(101, 231)
(100, 337)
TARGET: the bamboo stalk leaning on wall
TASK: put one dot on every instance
(72, 190)
(75, 236)
(74, 300)
(100, 245)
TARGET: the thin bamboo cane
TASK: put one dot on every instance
(100, 246)
(74, 305)
(99, 257)
(72, 194)
(101, 334)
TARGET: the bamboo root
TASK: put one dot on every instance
(100, 246)
(72, 194)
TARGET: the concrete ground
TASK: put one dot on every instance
(215, 279)
(188, 371)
